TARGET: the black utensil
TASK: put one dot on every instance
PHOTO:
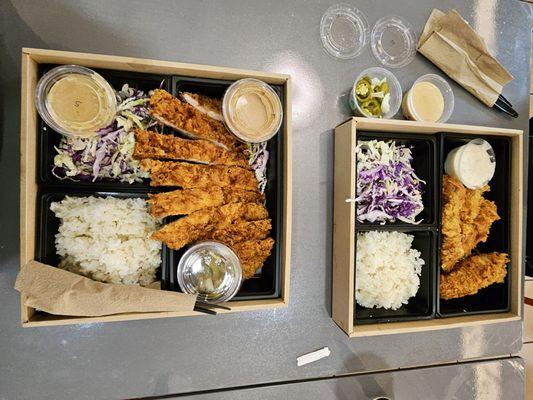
(503, 105)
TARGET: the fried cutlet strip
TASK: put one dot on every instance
(453, 194)
(252, 254)
(200, 224)
(473, 274)
(158, 146)
(186, 201)
(207, 105)
(241, 231)
(185, 175)
(466, 220)
(479, 228)
(180, 115)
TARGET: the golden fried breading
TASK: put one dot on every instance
(200, 224)
(185, 175)
(253, 254)
(186, 201)
(241, 231)
(180, 115)
(472, 274)
(158, 146)
(466, 220)
(481, 225)
(453, 195)
(207, 105)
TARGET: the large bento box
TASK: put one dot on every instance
(38, 187)
(427, 311)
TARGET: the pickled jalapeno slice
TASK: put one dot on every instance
(371, 107)
(363, 88)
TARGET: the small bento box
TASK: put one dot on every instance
(429, 144)
(40, 186)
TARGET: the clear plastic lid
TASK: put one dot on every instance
(210, 269)
(75, 101)
(252, 110)
(393, 42)
(344, 31)
(473, 163)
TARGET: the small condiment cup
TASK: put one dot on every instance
(252, 110)
(395, 91)
(195, 272)
(456, 159)
(445, 89)
(102, 99)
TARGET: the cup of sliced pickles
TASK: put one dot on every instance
(211, 270)
(376, 93)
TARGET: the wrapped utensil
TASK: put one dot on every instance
(453, 46)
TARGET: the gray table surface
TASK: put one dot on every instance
(141, 358)
(483, 380)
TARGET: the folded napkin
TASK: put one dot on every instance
(453, 46)
(60, 292)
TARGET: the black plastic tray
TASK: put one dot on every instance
(48, 138)
(494, 298)
(419, 307)
(266, 283)
(423, 148)
(48, 224)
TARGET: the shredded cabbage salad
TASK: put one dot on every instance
(258, 159)
(108, 155)
(387, 186)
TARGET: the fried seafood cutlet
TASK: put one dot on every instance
(466, 220)
(207, 105)
(158, 146)
(200, 224)
(180, 115)
(186, 201)
(252, 254)
(473, 274)
(185, 175)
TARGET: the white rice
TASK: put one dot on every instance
(387, 269)
(107, 239)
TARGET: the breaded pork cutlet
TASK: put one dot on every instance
(185, 175)
(158, 146)
(210, 106)
(241, 231)
(186, 201)
(185, 118)
(200, 224)
(473, 274)
(252, 254)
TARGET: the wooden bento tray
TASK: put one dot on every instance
(344, 226)
(31, 59)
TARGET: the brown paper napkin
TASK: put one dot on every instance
(60, 292)
(453, 46)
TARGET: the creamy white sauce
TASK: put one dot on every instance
(473, 164)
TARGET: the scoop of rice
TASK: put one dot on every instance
(107, 239)
(387, 269)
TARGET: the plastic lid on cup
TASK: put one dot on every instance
(211, 270)
(75, 101)
(344, 31)
(393, 42)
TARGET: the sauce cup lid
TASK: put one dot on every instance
(344, 31)
(252, 110)
(105, 109)
(211, 270)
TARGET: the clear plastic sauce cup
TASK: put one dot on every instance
(473, 163)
